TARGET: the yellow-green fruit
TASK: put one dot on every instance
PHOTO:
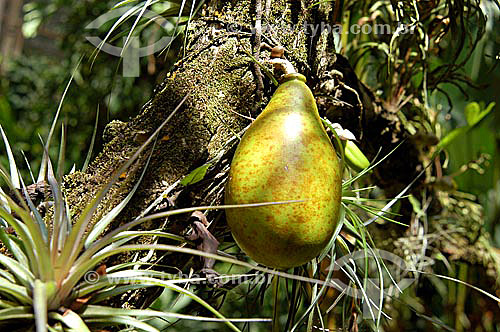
(285, 155)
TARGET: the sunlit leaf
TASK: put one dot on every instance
(196, 175)
(14, 177)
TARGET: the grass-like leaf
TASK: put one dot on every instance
(145, 6)
(37, 216)
(92, 143)
(99, 311)
(14, 313)
(71, 319)
(15, 291)
(22, 274)
(10, 243)
(123, 320)
(45, 157)
(29, 232)
(101, 225)
(14, 177)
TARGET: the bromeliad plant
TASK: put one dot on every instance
(47, 277)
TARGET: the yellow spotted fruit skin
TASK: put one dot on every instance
(285, 155)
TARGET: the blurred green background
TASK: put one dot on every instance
(34, 76)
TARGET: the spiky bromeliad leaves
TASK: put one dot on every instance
(47, 280)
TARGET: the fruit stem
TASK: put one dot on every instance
(283, 65)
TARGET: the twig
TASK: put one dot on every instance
(256, 45)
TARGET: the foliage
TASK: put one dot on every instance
(443, 56)
(33, 83)
(427, 74)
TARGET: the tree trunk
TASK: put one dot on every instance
(11, 37)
